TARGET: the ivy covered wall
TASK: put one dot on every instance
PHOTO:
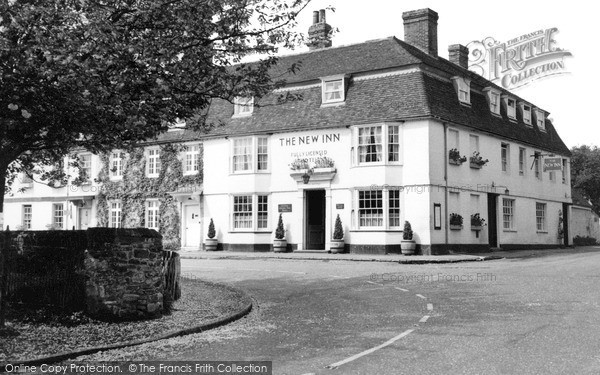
(135, 188)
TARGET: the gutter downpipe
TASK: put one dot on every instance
(446, 185)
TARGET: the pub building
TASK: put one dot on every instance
(386, 131)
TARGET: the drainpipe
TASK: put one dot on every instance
(445, 162)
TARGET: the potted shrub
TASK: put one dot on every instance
(211, 242)
(477, 222)
(455, 158)
(407, 244)
(280, 243)
(337, 243)
(456, 221)
(476, 161)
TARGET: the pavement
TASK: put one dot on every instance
(393, 258)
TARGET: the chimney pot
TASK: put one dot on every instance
(420, 29)
(459, 55)
(319, 33)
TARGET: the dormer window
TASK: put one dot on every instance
(463, 89)
(243, 106)
(540, 119)
(333, 89)
(511, 107)
(526, 112)
(493, 98)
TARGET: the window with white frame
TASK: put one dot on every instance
(250, 212)
(552, 176)
(250, 154)
(493, 97)
(374, 140)
(540, 119)
(85, 165)
(378, 209)
(153, 162)
(474, 143)
(152, 216)
(540, 216)
(243, 106)
(522, 161)
(526, 111)
(453, 140)
(333, 90)
(116, 164)
(537, 167)
(508, 214)
(191, 160)
(26, 215)
(463, 89)
(115, 214)
(511, 107)
(564, 171)
(58, 215)
(505, 156)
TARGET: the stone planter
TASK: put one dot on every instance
(279, 246)
(337, 246)
(455, 227)
(210, 244)
(408, 247)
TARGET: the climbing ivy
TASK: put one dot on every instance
(135, 188)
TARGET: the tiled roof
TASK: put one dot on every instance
(579, 199)
(415, 94)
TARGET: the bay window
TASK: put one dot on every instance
(250, 155)
(250, 212)
(378, 144)
(378, 209)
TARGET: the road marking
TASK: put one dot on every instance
(421, 296)
(296, 272)
(339, 277)
(424, 319)
(370, 282)
(369, 351)
(429, 306)
(404, 290)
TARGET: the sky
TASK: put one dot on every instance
(570, 98)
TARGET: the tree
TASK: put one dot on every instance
(585, 173)
(104, 74)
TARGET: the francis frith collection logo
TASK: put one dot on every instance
(520, 60)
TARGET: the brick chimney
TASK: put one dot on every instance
(319, 33)
(459, 55)
(420, 29)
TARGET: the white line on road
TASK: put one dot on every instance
(429, 306)
(339, 277)
(421, 296)
(370, 282)
(424, 319)
(369, 351)
(402, 289)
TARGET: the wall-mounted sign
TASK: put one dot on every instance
(339, 206)
(285, 207)
(552, 164)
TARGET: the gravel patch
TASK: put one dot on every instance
(200, 303)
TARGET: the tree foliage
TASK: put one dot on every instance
(585, 173)
(100, 74)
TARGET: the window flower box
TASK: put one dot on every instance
(456, 221)
(477, 222)
(476, 161)
(454, 157)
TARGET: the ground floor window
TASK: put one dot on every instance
(58, 214)
(250, 212)
(540, 216)
(152, 214)
(378, 208)
(508, 212)
(115, 214)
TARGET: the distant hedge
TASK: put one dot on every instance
(584, 241)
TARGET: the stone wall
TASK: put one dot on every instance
(124, 273)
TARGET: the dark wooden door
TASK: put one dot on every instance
(315, 219)
(492, 222)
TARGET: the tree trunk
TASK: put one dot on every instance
(3, 251)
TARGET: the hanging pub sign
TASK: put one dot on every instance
(552, 164)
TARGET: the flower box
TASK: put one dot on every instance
(455, 227)
(476, 227)
(473, 164)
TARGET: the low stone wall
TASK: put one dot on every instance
(124, 273)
